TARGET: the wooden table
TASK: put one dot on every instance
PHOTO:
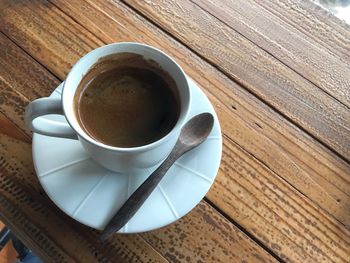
(278, 75)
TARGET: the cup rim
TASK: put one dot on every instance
(71, 116)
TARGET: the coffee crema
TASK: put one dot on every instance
(127, 101)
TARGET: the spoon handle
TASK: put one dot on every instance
(136, 200)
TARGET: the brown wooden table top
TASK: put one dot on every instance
(278, 75)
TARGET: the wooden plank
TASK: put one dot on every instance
(10, 129)
(23, 72)
(35, 28)
(293, 247)
(19, 168)
(250, 124)
(263, 75)
(314, 21)
(292, 47)
(8, 98)
(299, 228)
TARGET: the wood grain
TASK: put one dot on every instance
(287, 223)
(23, 72)
(8, 98)
(26, 75)
(10, 129)
(286, 43)
(204, 237)
(315, 22)
(18, 170)
(67, 37)
(257, 133)
(259, 72)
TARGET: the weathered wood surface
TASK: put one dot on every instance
(287, 44)
(315, 22)
(288, 191)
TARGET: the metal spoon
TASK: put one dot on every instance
(193, 133)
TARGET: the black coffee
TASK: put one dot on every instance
(127, 101)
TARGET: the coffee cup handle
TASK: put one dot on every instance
(45, 106)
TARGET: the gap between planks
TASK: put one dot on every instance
(28, 54)
(243, 230)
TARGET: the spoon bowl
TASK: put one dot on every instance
(196, 130)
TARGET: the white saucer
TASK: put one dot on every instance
(91, 194)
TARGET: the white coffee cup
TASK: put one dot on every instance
(114, 158)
